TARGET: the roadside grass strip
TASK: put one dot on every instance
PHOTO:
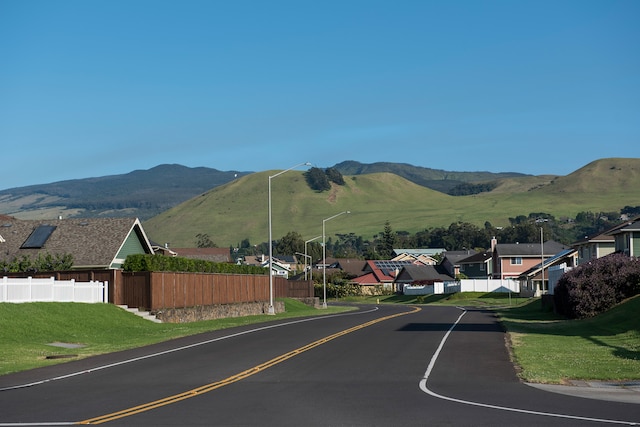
(434, 358)
(234, 378)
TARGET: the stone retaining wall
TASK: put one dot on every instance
(210, 312)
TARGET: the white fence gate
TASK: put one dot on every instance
(51, 290)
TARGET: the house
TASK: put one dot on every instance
(94, 243)
(477, 266)
(351, 266)
(510, 260)
(592, 247)
(429, 252)
(379, 275)
(542, 277)
(624, 238)
(451, 260)
(627, 237)
(420, 258)
(279, 268)
(421, 274)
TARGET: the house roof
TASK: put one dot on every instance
(477, 258)
(385, 270)
(556, 259)
(418, 252)
(366, 279)
(528, 249)
(206, 254)
(627, 226)
(455, 257)
(93, 242)
(351, 266)
(411, 273)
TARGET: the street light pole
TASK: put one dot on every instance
(305, 255)
(324, 258)
(271, 309)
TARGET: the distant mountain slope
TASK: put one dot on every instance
(436, 179)
(145, 193)
(141, 193)
(238, 210)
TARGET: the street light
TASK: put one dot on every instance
(324, 258)
(305, 263)
(271, 309)
(305, 255)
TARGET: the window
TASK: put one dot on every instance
(516, 260)
(482, 266)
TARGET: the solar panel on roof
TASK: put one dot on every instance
(38, 237)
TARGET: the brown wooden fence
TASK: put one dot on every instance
(158, 290)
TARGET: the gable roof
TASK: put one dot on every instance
(93, 242)
(427, 273)
(455, 257)
(549, 262)
(351, 266)
(626, 227)
(418, 252)
(528, 249)
(477, 258)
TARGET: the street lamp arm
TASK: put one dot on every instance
(292, 167)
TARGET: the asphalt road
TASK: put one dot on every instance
(382, 366)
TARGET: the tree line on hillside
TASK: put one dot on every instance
(457, 236)
(320, 180)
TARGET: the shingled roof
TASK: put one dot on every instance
(93, 242)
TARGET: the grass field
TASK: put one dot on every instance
(545, 348)
(27, 330)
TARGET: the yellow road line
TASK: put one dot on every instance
(234, 378)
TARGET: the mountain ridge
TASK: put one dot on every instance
(146, 193)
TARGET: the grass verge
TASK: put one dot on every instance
(551, 350)
(28, 330)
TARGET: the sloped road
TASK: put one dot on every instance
(385, 366)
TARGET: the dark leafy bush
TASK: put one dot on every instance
(596, 286)
(44, 262)
(141, 262)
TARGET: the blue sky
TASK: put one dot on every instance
(95, 88)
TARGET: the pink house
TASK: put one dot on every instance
(510, 260)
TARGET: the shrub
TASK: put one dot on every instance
(596, 286)
(142, 262)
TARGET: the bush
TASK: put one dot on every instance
(596, 286)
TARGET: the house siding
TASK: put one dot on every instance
(132, 245)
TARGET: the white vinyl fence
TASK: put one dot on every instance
(50, 290)
(465, 285)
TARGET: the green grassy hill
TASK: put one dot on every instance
(239, 210)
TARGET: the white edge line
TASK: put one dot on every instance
(432, 362)
(186, 347)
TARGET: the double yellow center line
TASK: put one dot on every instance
(234, 378)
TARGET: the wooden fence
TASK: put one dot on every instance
(158, 290)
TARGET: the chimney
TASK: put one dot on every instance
(494, 242)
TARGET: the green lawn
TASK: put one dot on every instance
(27, 330)
(551, 350)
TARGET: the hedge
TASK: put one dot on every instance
(143, 262)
